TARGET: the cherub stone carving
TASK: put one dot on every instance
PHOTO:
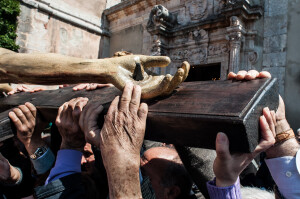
(53, 69)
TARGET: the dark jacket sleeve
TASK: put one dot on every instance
(70, 186)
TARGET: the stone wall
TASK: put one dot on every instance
(132, 43)
(66, 27)
(292, 70)
(275, 39)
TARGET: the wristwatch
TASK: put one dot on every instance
(39, 152)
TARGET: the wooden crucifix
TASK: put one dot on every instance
(191, 115)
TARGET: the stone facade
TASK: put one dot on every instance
(199, 31)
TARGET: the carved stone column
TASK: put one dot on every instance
(235, 36)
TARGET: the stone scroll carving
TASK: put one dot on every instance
(161, 15)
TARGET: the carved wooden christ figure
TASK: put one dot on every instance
(54, 69)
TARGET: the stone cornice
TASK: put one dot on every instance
(125, 5)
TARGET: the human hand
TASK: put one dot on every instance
(24, 88)
(134, 68)
(88, 123)
(90, 86)
(29, 126)
(124, 127)
(227, 167)
(121, 139)
(250, 75)
(288, 147)
(67, 122)
(8, 173)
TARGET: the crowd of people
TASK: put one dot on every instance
(76, 157)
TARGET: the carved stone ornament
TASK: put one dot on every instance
(229, 3)
(193, 55)
(156, 47)
(253, 57)
(218, 49)
(197, 9)
(161, 15)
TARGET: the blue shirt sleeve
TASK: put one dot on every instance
(68, 162)
(231, 192)
(286, 174)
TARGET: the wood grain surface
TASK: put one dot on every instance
(191, 116)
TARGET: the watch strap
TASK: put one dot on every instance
(286, 135)
(39, 152)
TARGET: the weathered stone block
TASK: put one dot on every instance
(274, 59)
(275, 25)
(279, 73)
(275, 43)
(277, 7)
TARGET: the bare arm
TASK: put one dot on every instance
(51, 69)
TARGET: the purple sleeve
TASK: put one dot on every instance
(231, 192)
(68, 161)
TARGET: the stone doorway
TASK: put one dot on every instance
(204, 72)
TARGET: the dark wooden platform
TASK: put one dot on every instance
(191, 116)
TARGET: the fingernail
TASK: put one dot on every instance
(221, 137)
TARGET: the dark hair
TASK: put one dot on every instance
(176, 175)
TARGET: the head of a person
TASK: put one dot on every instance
(168, 177)
(88, 159)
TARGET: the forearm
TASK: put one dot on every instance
(122, 174)
(124, 182)
(52, 69)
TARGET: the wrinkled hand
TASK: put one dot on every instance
(29, 126)
(227, 167)
(289, 147)
(67, 122)
(250, 75)
(8, 173)
(23, 88)
(124, 127)
(90, 86)
(152, 84)
(121, 140)
(88, 123)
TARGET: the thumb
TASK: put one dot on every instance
(222, 146)
(280, 113)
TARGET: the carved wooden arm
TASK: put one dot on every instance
(53, 69)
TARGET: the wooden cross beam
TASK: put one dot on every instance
(191, 116)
